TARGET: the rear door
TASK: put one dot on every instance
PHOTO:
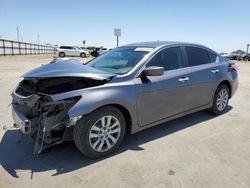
(159, 97)
(203, 75)
(72, 51)
(67, 50)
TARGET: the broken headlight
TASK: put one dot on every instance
(56, 113)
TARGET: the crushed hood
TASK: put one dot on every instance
(67, 68)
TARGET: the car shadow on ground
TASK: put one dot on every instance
(16, 156)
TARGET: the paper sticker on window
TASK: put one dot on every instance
(144, 49)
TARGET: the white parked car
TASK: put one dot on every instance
(63, 51)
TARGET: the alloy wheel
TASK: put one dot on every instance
(222, 100)
(104, 134)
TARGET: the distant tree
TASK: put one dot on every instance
(239, 51)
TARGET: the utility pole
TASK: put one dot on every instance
(17, 30)
(38, 39)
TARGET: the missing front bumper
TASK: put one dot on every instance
(46, 121)
(21, 121)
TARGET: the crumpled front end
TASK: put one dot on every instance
(47, 122)
(37, 115)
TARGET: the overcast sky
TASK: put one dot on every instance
(223, 25)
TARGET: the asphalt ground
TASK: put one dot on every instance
(198, 150)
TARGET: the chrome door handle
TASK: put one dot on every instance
(214, 71)
(183, 79)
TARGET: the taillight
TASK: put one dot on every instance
(232, 66)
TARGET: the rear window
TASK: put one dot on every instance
(197, 56)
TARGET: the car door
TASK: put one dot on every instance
(67, 50)
(203, 69)
(72, 51)
(159, 97)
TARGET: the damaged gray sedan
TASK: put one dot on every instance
(129, 88)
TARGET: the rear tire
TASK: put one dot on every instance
(61, 54)
(92, 135)
(220, 101)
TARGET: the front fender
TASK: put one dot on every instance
(96, 97)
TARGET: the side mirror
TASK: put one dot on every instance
(153, 71)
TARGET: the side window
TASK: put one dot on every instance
(169, 59)
(213, 56)
(197, 56)
(66, 47)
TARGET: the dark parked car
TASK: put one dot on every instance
(246, 57)
(236, 56)
(94, 52)
(98, 51)
(129, 88)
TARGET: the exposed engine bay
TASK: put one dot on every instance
(56, 85)
(38, 116)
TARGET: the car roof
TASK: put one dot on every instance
(155, 44)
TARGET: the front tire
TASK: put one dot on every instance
(220, 101)
(100, 132)
(82, 55)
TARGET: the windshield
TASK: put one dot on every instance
(77, 47)
(119, 60)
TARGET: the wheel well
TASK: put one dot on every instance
(126, 114)
(227, 83)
